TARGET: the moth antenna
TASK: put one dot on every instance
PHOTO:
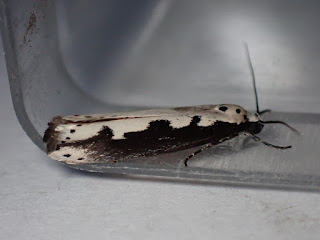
(283, 123)
(257, 139)
(253, 77)
(264, 111)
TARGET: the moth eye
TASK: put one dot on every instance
(223, 108)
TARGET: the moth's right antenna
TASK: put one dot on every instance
(253, 77)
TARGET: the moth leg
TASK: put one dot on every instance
(257, 139)
(196, 152)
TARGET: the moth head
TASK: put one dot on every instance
(255, 124)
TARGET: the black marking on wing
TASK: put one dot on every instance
(158, 138)
(94, 120)
(223, 108)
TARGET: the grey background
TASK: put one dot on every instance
(41, 199)
(185, 52)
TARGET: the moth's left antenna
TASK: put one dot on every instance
(253, 77)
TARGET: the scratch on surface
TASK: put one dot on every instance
(146, 164)
(3, 173)
(30, 27)
(283, 209)
(165, 163)
(264, 204)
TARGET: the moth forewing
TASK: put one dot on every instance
(102, 138)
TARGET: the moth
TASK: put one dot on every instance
(110, 138)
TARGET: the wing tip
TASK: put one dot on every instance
(50, 135)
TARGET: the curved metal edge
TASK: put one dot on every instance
(13, 75)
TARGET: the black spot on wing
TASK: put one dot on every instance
(159, 125)
(67, 155)
(72, 131)
(223, 108)
(238, 110)
(195, 120)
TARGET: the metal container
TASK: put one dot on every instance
(83, 57)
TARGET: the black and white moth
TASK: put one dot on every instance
(103, 138)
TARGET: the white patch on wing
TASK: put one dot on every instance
(207, 120)
(82, 132)
(140, 120)
(213, 114)
(143, 113)
(119, 128)
(75, 154)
